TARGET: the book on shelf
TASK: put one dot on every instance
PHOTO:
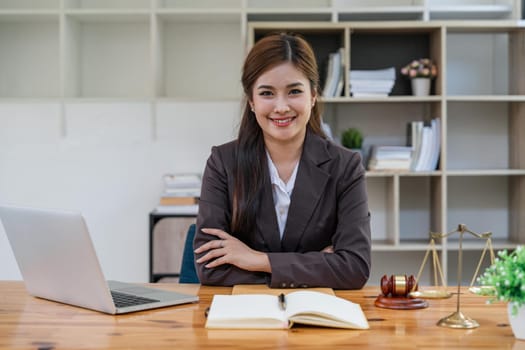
(428, 149)
(178, 200)
(192, 209)
(182, 181)
(180, 194)
(390, 158)
(258, 311)
(333, 86)
(414, 136)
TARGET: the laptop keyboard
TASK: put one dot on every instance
(123, 300)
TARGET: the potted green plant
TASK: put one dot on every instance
(506, 276)
(352, 138)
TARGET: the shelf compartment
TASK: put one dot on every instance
(420, 208)
(292, 15)
(201, 4)
(206, 17)
(107, 56)
(29, 4)
(479, 136)
(372, 48)
(383, 124)
(191, 67)
(487, 11)
(486, 203)
(107, 4)
(290, 4)
(498, 51)
(363, 10)
(289, 11)
(22, 39)
(382, 199)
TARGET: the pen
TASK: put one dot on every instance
(282, 302)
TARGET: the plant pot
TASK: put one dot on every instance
(420, 86)
(517, 322)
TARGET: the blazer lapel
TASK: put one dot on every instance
(267, 220)
(309, 186)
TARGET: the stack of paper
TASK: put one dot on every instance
(181, 194)
(372, 83)
(390, 158)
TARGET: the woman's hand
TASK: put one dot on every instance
(329, 249)
(229, 250)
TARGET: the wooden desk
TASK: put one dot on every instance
(31, 323)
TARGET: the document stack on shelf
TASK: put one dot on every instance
(372, 83)
(333, 86)
(390, 158)
(181, 194)
(425, 141)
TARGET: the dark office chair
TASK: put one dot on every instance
(187, 268)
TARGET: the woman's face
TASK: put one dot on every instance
(282, 101)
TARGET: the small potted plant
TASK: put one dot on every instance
(420, 71)
(352, 138)
(506, 276)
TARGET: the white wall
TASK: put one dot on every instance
(108, 166)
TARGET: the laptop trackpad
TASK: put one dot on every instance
(130, 288)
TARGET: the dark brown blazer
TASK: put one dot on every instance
(328, 206)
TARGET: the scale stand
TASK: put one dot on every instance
(458, 319)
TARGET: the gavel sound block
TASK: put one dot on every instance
(395, 290)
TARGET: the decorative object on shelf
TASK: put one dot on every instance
(420, 86)
(420, 71)
(353, 138)
(395, 293)
(506, 277)
(457, 319)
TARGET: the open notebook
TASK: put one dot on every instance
(58, 262)
(257, 311)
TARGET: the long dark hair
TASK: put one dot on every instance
(251, 164)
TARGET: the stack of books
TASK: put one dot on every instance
(390, 158)
(372, 83)
(181, 194)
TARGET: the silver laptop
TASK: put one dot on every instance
(58, 262)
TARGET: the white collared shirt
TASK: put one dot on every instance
(282, 192)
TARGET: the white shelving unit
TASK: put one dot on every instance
(479, 96)
(156, 61)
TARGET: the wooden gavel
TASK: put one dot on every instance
(398, 285)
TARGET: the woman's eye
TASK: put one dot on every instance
(265, 93)
(296, 91)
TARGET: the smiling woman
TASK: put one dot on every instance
(281, 204)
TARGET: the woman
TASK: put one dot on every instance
(281, 204)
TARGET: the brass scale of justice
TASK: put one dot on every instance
(400, 292)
